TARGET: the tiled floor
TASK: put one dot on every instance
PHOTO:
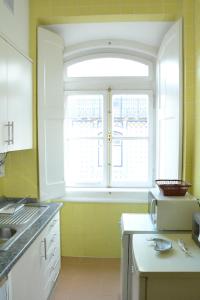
(88, 279)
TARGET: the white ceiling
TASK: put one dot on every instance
(148, 33)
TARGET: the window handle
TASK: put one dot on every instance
(109, 137)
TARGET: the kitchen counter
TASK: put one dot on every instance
(172, 274)
(172, 261)
(9, 257)
(136, 222)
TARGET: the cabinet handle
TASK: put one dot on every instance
(53, 223)
(10, 130)
(45, 249)
(53, 253)
(8, 141)
(53, 239)
(12, 133)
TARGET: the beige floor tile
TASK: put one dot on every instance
(88, 279)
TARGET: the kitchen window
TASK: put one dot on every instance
(99, 71)
(108, 132)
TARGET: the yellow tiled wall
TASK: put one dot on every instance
(93, 229)
(196, 159)
(188, 91)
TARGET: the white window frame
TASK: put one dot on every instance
(107, 108)
(110, 55)
(151, 138)
(135, 84)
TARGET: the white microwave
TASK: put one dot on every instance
(171, 212)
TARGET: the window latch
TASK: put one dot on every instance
(109, 137)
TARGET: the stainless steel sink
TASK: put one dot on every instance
(23, 216)
(6, 233)
(13, 225)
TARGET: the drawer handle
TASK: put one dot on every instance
(53, 253)
(53, 267)
(53, 239)
(53, 223)
(44, 242)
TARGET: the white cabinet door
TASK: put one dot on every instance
(19, 100)
(14, 22)
(25, 277)
(34, 275)
(3, 96)
(15, 99)
(138, 283)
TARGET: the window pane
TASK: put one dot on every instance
(83, 162)
(130, 115)
(130, 161)
(84, 116)
(108, 66)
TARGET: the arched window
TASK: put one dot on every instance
(107, 66)
(109, 121)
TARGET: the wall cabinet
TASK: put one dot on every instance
(14, 23)
(15, 99)
(34, 275)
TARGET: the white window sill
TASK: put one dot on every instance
(107, 195)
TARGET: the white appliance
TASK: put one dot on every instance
(170, 275)
(171, 213)
(130, 223)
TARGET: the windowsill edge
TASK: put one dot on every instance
(107, 195)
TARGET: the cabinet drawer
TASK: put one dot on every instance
(52, 241)
(52, 278)
(53, 257)
(53, 268)
(53, 230)
(53, 222)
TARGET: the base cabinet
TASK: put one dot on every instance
(52, 263)
(35, 273)
(25, 277)
(133, 223)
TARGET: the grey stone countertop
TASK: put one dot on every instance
(9, 257)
